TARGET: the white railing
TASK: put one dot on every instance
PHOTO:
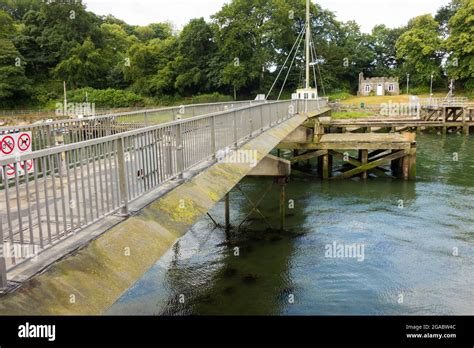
(448, 101)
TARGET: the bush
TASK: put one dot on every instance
(199, 99)
(469, 88)
(211, 98)
(340, 96)
(106, 97)
(419, 90)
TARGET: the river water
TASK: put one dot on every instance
(412, 248)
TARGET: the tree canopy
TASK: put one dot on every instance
(239, 51)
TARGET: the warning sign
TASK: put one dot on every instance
(24, 142)
(7, 145)
(14, 145)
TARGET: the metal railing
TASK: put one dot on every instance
(448, 101)
(68, 131)
(67, 188)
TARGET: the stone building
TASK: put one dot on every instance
(378, 86)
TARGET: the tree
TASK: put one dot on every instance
(444, 14)
(460, 43)
(50, 33)
(154, 31)
(17, 8)
(421, 49)
(196, 49)
(13, 82)
(85, 66)
(151, 69)
(382, 43)
(242, 33)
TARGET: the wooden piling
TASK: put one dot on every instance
(227, 212)
(412, 163)
(282, 206)
(364, 158)
(466, 129)
(325, 160)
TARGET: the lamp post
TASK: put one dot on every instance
(408, 83)
(431, 88)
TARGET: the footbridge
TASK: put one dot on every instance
(81, 220)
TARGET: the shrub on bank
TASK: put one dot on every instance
(340, 96)
(113, 98)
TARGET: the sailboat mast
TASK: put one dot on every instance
(308, 36)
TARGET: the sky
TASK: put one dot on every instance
(368, 13)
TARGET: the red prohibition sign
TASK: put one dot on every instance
(11, 169)
(24, 142)
(7, 145)
(28, 164)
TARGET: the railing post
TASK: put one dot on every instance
(235, 129)
(213, 137)
(261, 117)
(122, 176)
(50, 136)
(179, 151)
(250, 122)
(3, 267)
(146, 118)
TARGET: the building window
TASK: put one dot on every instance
(391, 87)
(367, 88)
(306, 96)
(313, 96)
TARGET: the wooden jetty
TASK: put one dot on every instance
(373, 151)
(387, 124)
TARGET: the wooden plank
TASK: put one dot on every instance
(363, 137)
(355, 163)
(374, 164)
(309, 155)
(345, 146)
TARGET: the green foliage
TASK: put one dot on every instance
(420, 48)
(339, 96)
(106, 97)
(351, 114)
(13, 82)
(195, 49)
(210, 98)
(84, 66)
(419, 90)
(239, 52)
(382, 42)
(460, 43)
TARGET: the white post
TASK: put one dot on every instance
(65, 98)
(308, 36)
(408, 83)
(431, 88)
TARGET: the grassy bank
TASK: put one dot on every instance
(350, 114)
